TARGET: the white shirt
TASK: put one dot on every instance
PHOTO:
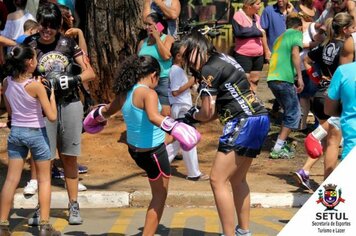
(177, 78)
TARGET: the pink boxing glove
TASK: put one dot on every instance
(94, 122)
(186, 135)
(313, 146)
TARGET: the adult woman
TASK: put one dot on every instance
(251, 47)
(326, 56)
(55, 53)
(226, 94)
(158, 45)
(15, 20)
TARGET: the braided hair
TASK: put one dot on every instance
(132, 70)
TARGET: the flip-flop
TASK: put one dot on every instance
(3, 125)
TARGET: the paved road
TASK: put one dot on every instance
(175, 222)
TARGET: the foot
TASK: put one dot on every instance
(57, 173)
(35, 219)
(31, 187)
(241, 232)
(302, 178)
(74, 214)
(202, 177)
(47, 229)
(82, 169)
(4, 229)
(81, 187)
(285, 152)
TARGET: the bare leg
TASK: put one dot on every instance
(305, 105)
(332, 150)
(44, 184)
(226, 168)
(254, 78)
(159, 189)
(241, 192)
(70, 167)
(8, 190)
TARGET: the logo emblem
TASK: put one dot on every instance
(330, 197)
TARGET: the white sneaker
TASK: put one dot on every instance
(31, 187)
(81, 187)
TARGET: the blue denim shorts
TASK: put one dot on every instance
(287, 97)
(21, 140)
(162, 91)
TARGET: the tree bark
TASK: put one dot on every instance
(112, 27)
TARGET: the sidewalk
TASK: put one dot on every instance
(114, 180)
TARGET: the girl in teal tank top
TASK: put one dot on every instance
(138, 101)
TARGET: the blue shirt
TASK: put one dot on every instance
(21, 39)
(141, 133)
(343, 88)
(274, 23)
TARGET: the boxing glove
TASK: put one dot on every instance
(67, 82)
(187, 136)
(48, 86)
(313, 75)
(313, 146)
(189, 116)
(94, 122)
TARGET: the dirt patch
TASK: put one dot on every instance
(111, 168)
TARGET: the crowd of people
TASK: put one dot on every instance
(304, 45)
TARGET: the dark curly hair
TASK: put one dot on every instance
(15, 64)
(132, 70)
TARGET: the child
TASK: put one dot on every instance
(181, 101)
(25, 98)
(284, 62)
(135, 94)
(30, 27)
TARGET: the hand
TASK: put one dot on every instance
(65, 82)
(94, 122)
(187, 136)
(73, 32)
(300, 85)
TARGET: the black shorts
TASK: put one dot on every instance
(250, 63)
(155, 162)
(318, 103)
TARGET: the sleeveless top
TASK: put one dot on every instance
(152, 50)
(26, 110)
(172, 24)
(141, 133)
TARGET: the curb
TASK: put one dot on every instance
(115, 199)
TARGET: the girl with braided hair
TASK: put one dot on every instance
(136, 98)
(25, 99)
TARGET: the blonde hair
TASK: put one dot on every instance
(336, 25)
(249, 2)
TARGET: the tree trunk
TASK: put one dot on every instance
(112, 27)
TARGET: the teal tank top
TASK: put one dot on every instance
(141, 133)
(152, 50)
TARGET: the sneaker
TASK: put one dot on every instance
(241, 232)
(81, 187)
(4, 229)
(31, 187)
(202, 177)
(74, 214)
(57, 173)
(82, 169)
(286, 152)
(302, 178)
(35, 219)
(47, 229)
